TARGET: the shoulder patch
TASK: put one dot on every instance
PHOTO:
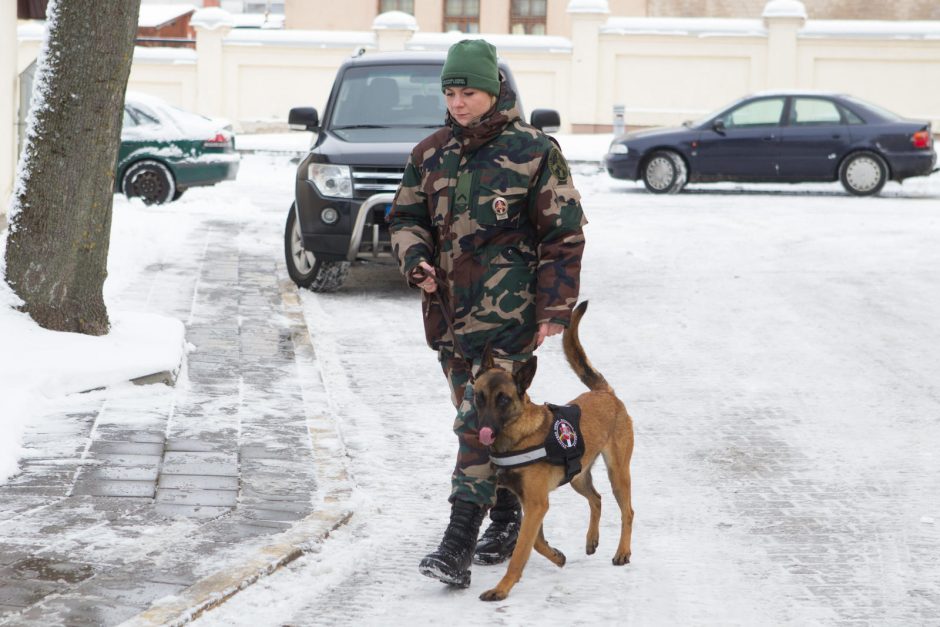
(557, 165)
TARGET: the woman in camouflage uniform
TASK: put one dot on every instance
(487, 206)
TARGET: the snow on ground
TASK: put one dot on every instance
(39, 367)
(775, 345)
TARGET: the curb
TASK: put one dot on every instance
(331, 509)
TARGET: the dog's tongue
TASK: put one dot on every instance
(486, 436)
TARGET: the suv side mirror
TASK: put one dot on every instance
(719, 126)
(303, 119)
(546, 120)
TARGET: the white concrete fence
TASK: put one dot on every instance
(661, 70)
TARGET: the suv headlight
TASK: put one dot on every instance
(331, 180)
(619, 149)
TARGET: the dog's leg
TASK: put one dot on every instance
(618, 469)
(533, 512)
(584, 485)
(542, 546)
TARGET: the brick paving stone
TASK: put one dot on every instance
(141, 496)
(76, 609)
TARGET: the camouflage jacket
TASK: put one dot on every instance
(493, 207)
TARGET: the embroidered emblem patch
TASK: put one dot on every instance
(454, 81)
(500, 208)
(565, 434)
(557, 165)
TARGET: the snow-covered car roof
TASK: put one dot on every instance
(175, 123)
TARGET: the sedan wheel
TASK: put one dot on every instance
(863, 174)
(149, 180)
(664, 173)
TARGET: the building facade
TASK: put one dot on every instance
(815, 9)
(549, 17)
(530, 17)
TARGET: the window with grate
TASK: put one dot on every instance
(462, 15)
(527, 17)
(405, 6)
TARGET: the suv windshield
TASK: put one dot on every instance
(389, 97)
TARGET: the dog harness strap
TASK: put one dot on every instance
(518, 458)
(563, 446)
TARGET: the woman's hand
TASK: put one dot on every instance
(547, 329)
(429, 285)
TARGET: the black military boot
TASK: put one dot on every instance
(499, 539)
(450, 563)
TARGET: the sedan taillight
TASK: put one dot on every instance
(922, 139)
(220, 140)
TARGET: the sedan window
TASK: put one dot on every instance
(755, 113)
(129, 120)
(851, 117)
(140, 117)
(814, 111)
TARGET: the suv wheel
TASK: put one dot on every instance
(863, 174)
(664, 173)
(303, 267)
(149, 180)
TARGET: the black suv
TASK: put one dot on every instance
(381, 105)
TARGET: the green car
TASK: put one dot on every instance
(166, 150)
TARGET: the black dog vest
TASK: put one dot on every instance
(563, 445)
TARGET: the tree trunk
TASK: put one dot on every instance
(60, 218)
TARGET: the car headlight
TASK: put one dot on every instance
(331, 180)
(618, 149)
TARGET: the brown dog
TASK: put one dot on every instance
(511, 422)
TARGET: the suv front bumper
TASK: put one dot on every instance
(359, 230)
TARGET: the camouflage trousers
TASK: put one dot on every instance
(474, 479)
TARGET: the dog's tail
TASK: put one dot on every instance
(574, 352)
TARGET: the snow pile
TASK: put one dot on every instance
(38, 366)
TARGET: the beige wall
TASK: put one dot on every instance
(8, 102)
(662, 70)
(903, 76)
(430, 15)
(330, 15)
(494, 15)
(665, 80)
(816, 9)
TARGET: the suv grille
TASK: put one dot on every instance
(372, 180)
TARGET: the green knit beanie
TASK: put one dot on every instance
(471, 63)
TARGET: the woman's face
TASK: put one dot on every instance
(466, 104)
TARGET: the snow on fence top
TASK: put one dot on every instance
(300, 38)
(516, 43)
(871, 29)
(731, 27)
(419, 41)
(690, 26)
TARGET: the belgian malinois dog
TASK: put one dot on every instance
(510, 421)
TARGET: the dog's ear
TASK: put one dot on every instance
(487, 361)
(523, 377)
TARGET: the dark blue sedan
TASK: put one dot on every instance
(780, 137)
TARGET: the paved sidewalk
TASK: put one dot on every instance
(153, 504)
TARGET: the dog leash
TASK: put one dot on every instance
(419, 274)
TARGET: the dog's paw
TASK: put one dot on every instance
(493, 595)
(560, 559)
(621, 558)
(591, 546)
